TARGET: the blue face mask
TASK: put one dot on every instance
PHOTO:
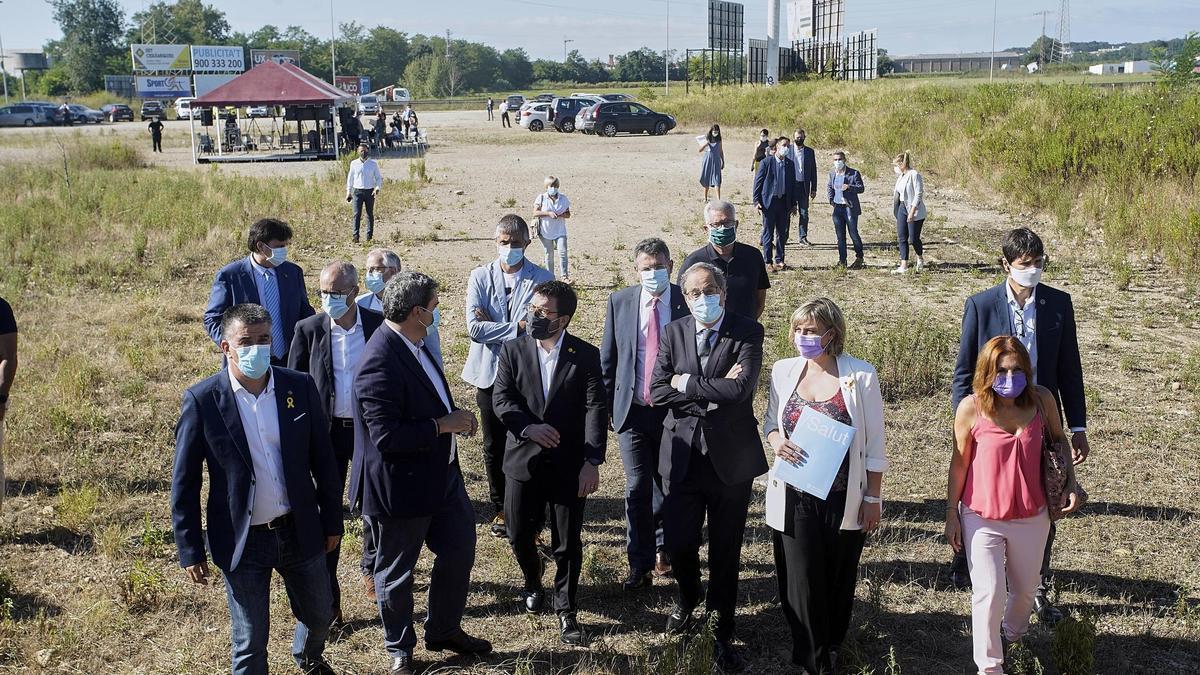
(432, 325)
(278, 256)
(375, 282)
(655, 281)
(552, 191)
(707, 309)
(254, 360)
(510, 255)
(335, 305)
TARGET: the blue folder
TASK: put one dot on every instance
(825, 441)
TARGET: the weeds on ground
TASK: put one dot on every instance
(910, 351)
(77, 507)
(1073, 647)
(143, 588)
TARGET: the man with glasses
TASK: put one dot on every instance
(1043, 319)
(549, 392)
(742, 264)
(328, 346)
(382, 265)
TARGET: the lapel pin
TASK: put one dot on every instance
(1042, 301)
(570, 350)
(291, 402)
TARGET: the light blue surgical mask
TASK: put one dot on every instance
(707, 309)
(254, 360)
(655, 281)
(838, 165)
(510, 255)
(375, 282)
(552, 191)
(278, 256)
(335, 305)
(432, 325)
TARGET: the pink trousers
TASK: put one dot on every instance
(1005, 561)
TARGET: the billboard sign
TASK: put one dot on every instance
(800, 15)
(258, 56)
(206, 83)
(351, 84)
(166, 86)
(160, 57)
(364, 84)
(726, 22)
(218, 59)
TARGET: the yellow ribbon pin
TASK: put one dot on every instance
(291, 402)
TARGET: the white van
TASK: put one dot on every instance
(183, 107)
(401, 95)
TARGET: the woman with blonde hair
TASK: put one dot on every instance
(996, 503)
(908, 205)
(818, 542)
(551, 209)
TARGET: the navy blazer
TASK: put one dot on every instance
(1058, 366)
(210, 431)
(234, 284)
(401, 464)
(854, 188)
(764, 183)
(312, 351)
(618, 350)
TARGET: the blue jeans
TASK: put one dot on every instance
(643, 486)
(550, 245)
(776, 223)
(248, 588)
(802, 226)
(844, 218)
(907, 232)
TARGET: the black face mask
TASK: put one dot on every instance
(540, 328)
(799, 140)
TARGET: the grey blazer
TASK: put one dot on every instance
(485, 290)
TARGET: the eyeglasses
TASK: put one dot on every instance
(541, 312)
(728, 223)
(697, 293)
(336, 292)
(380, 268)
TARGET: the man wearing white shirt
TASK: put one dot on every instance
(363, 182)
(633, 325)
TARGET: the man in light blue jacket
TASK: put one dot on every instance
(498, 294)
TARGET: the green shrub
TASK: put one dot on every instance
(143, 588)
(77, 507)
(8, 589)
(1074, 645)
(911, 351)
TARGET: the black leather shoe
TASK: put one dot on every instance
(960, 577)
(680, 621)
(460, 644)
(858, 263)
(499, 530)
(535, 601)
(402, 665)
(727, 658)
(1046, 612)
(638, 580)
(317, 666)
(572, 632)
(662, 565)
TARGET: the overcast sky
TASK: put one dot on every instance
(617, 26)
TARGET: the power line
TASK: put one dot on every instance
(1064, 30)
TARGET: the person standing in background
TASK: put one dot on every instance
(805, 160)
(363, 182)
(712, 161)
(774, 196)
(552, 209)
(155, 127)
(490, 105)
(908, 205)
(504, 120)
(760, 150)
(844, 187)
(8, 370)
(742, 264)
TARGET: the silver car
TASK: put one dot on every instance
(23, 115)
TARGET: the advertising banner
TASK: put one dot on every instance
(160, 57)
(364, 84)
(218, 59)
(206, 83)
(258, 56)
(800, 20)
(167, 86)
(349, 84)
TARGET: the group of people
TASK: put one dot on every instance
(359, 392)
(785, 184)
(404, 125)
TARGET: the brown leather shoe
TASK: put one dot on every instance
(369, 587)
(662, 564)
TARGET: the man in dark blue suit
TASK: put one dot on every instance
(328, 346)
(406, 478)
(274, 496)
(1043, 319)
(633, 326)
(266, 278)
(844, 187)
(805, 160)
(775, 197)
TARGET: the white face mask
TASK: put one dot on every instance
(1026, 278)
(897, 170)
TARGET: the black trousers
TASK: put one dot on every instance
(157, 140)
(494, 438)
(342, 438)
(364, 198)
(525, 505)
(685, 505)
(817, 566)
(504, 119)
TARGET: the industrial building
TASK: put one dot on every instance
(955, 63)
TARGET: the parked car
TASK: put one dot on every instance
(153, 109)
(258, 111)
(401, 95)
(616, 97)
(183, 107)
(23, 115)
(626, 117)
(514, 101)
(117, 112)
(85, 115)
(582, 116)
(564, 110)
(535, 117)
(543, 98)
(368, 104)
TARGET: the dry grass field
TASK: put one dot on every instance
(108, 258)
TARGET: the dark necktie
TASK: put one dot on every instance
(704, 347)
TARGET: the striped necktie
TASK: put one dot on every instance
(271, 303)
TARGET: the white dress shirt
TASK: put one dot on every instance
(1024, 323)
(435, 376)
(664, 317)
(839, 197)
(363, 175)
(346, 347)
(260, 423)
(549, 361)
(681, 385)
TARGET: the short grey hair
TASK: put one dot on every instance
(719, 206)
(514, 226)
(387, 256)
(405, 291)
(653, 247)
(716, 272)
(342, 268)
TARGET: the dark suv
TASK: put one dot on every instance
(627, 117)
(117, 112)
(563, 111)
(153, 109)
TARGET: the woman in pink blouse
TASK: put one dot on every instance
(996, 505)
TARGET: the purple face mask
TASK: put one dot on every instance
(810, 346)
(1009, 386)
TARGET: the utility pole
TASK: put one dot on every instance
(565, 49)
(667, 54)
(992, 62)
(3, 70)
(1044, 12)
(1064, 30)
(451, 75)
(332, 47)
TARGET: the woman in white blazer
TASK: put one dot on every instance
(908, 203)
(817, 541)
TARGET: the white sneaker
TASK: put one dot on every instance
(900, 270)
(920, 265)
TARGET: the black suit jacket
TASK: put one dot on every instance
(730, 432)
(1058, 366)
(401, 464)
(575, 407)
(312, 351)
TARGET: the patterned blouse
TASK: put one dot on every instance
(834, 408)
